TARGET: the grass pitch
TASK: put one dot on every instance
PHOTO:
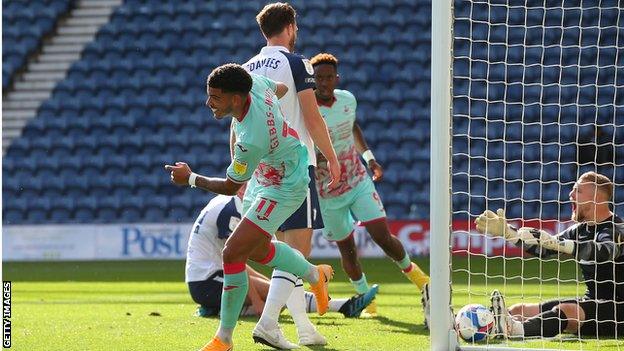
(144, 305)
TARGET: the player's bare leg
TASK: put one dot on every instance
(524, 311)
(380, 233)
(575, 316)
(248, 241)
(300, 239)
(349, 258)
(261, 283)
(351, 265)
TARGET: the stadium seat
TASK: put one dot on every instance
(135, 100)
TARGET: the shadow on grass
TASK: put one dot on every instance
(407, 328)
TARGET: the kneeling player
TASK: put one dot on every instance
(355, 192)
(595, 242)
(204, 268)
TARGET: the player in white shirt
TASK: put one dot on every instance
(204, 267)
(277, 61)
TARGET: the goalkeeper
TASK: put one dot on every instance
(596, 242)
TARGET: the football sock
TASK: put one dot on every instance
(334, 304)
(282, 285)
(361, 285)
(283, 257)
(405, 263)
(297, 307)
(413, 272)
(546, 324)
(235, 286)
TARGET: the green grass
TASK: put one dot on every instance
(144, 305)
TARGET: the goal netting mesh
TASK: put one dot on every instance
(538, 99)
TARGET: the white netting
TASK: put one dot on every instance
(538, 99)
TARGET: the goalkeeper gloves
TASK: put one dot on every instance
(495, 225)
(533, 236)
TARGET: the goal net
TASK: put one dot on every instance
(526, 96)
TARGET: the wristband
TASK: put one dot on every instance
(192, 178)
(368, 156)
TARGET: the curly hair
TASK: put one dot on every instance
(231, 78)
(273, 18)
(324, 59)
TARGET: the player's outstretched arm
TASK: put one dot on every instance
(182, 175)
(535, 241)
(315, 124)
(367, 154)
(542, 243)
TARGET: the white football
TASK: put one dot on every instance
(474, 322)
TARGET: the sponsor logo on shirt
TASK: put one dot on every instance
(241, 148)
(240, 167)
(308, 66)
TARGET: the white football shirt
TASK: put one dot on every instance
(277, 63)
(212, 227)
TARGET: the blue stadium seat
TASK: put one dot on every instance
(134, 101)
(15, 210)
(131, 210)
(61, 209)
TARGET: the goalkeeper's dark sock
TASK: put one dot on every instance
(546, 324)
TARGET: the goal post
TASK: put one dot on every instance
(526, 95)
(443, 337)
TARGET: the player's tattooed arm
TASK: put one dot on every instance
(182, 175)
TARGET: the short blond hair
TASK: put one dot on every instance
(603, 183)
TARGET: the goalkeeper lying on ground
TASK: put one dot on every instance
(596, 242)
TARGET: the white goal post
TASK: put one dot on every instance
(527, 102)
(443, 337)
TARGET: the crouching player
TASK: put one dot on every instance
(204, 267)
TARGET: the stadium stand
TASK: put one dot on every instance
(25, 23)
(135, 101)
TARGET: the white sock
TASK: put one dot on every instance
(282, 285)
(297, 307)
(334, 304)
(517, 328)
(225, 334)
